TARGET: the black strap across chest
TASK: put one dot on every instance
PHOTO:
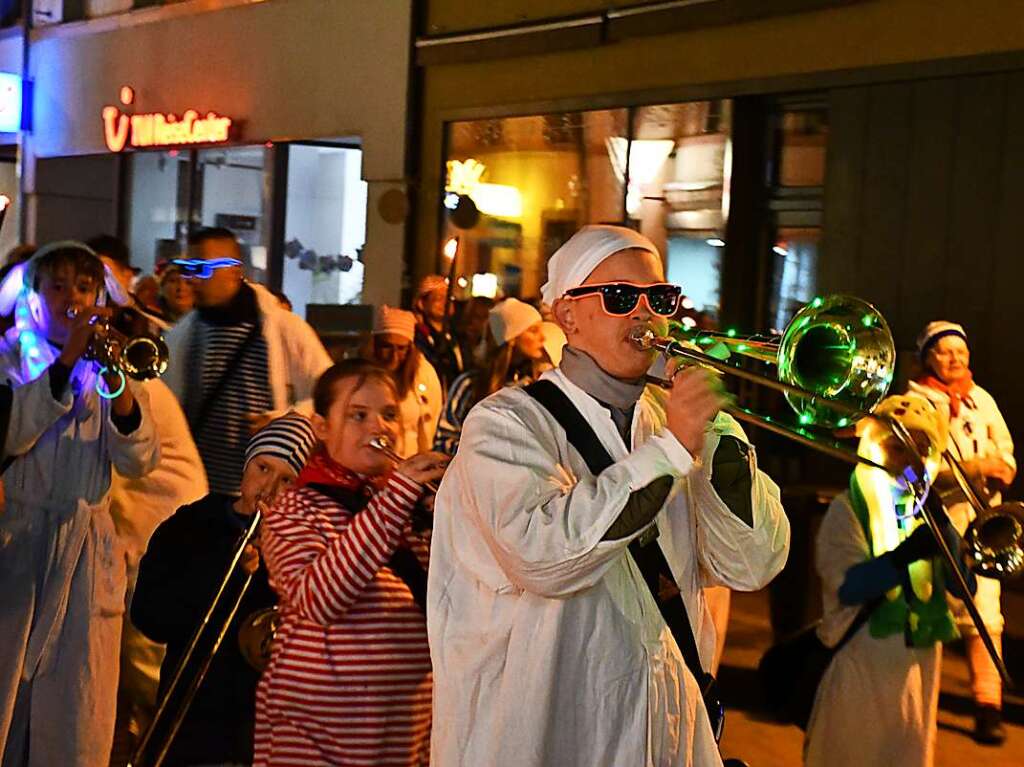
(649, 558)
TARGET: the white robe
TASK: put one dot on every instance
(62, 571)
(138, 505)
(878, 700)
(978, 431)
(548, 649)
(421, 410)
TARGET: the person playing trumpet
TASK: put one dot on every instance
(179, 576)
(548, 642)
(349, 676)
(62, 565)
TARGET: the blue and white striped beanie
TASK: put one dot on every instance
(289, 438)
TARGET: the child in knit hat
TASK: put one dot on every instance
(184, 564)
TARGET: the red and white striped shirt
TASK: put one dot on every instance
(349, 679)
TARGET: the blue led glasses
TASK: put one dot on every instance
(202, 268)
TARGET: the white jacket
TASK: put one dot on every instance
(295, 356)
(62, 569)
(548, 649)
(421, 410)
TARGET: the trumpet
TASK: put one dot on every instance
(383, 444)
(835, 363)
(126, 343)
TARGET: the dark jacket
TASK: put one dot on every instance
(178, 578)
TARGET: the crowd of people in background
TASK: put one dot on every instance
(124, 501)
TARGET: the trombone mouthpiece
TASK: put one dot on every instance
(643, 337)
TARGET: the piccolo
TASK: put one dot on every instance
(383, 444)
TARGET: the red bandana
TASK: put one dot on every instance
(321, 469)
(958, 392)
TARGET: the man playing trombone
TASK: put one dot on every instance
(548, 643)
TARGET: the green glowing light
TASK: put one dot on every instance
(805, 418)
(868, 320)
(843, 422)
(731, 332)
(817, 302)
(742, 348)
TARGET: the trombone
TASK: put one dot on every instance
(138, 757)
(835, 362)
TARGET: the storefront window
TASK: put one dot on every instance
(324, 207)
(679, 166)
(159, 194)
(533, 182)
(325, 226)
(235, 193)
(795, 273)
(802, 139)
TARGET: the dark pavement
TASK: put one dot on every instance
(750, 735)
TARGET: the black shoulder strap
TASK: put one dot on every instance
(649, 558)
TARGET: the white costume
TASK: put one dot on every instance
(421, 410)
(547, 647)
(877, 700)
(138, 505)
(62, 569)
(977, 431)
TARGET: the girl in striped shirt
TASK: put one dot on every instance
(349, 678)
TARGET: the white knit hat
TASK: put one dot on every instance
(933, 331)
(572, 263)
(396, 321)
(510, 318)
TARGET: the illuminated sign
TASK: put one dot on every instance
(10, 103)
(156, 129)
(464, 178)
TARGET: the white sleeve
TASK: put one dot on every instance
(137, 453)
(731, 552)
(308, 359)
(1000, 435)
(543, 525)
(840, 545)
(33, 412)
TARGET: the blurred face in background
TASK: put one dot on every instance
(432, 305)
(177, 292)
(530, 343)
(949, 359)
(390, 350)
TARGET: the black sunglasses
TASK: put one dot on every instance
(620, 298)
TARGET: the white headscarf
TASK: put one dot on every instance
(572, 263)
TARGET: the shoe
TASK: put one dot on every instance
(988, 726)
